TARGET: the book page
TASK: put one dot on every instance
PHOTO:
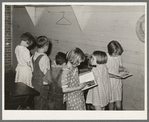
(86, 77)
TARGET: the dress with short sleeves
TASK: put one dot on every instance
(100, 95)
(113, 65)
(74, 100)
(23, 71)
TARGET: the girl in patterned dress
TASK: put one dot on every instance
(73, 96)
(99, 96)
(23, 69)
(114, 65)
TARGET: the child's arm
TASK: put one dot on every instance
(45, 81)
(44, 65)
(47, 78)
(29, 63)
(123, 69)
(66, 90)
(26, 56)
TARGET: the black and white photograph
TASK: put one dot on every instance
(74, 61)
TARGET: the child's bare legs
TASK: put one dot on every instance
(111, 106)
(99, 108)
(115, 105)
(118, 105)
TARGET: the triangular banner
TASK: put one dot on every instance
(78, 10)
(35, 13)
(38, 12)
(31, 12)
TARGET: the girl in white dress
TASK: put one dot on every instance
(99, 96)
(23, 69)
(115, 66)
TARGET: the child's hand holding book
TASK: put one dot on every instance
(88, 79)
(122, 75)
(82, 85)
(123, 69)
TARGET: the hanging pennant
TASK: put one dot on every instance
(35, 13)
(31, 12)
(78, 10)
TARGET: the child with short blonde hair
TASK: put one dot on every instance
(73, 96)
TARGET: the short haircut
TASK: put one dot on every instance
(42, 41)
(75, 56)
(28, 37)
(101, 57)
(115, 47)
(60, 58)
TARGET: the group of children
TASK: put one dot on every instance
(58, 82)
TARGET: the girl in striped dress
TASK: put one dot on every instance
(99, 96)
(114, 65)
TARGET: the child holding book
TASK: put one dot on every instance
(23, 69)
(99, 96)
(41, 64)
(115, 66)
(73, 96)
(53, 77)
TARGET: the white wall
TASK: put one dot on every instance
(101, 24)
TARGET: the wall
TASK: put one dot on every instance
(101, 24)
(7, 38)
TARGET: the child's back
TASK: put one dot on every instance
(23, 69)
(55, 89)
(53, 77)
(113, 64)
(41, 65)
(23, 56)
(37, 74)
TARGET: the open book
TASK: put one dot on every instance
(122, 75)
(88, 78)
